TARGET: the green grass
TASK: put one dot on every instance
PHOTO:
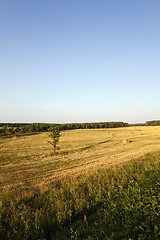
(118, 203)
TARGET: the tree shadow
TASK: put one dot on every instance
(85, 148)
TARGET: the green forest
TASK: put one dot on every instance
(11, 129)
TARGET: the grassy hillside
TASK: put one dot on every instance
(119, 203)
(72, 195)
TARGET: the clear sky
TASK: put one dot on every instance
(79, 60)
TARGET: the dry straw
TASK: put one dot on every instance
(14, 137)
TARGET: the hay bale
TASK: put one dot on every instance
(125, 141)
(14, 137)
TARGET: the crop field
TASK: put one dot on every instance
(99, 185)
(28, 162)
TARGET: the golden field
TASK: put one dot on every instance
(28, 162)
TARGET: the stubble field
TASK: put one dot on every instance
(28, 162)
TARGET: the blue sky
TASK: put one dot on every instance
(79, 61)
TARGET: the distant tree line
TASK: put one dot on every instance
(92, 125)
(148, 123)
(13, 124)
(10, 129)
(153, 123)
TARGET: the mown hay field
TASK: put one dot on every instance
(28, 162)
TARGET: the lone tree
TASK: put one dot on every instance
(54, 134)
